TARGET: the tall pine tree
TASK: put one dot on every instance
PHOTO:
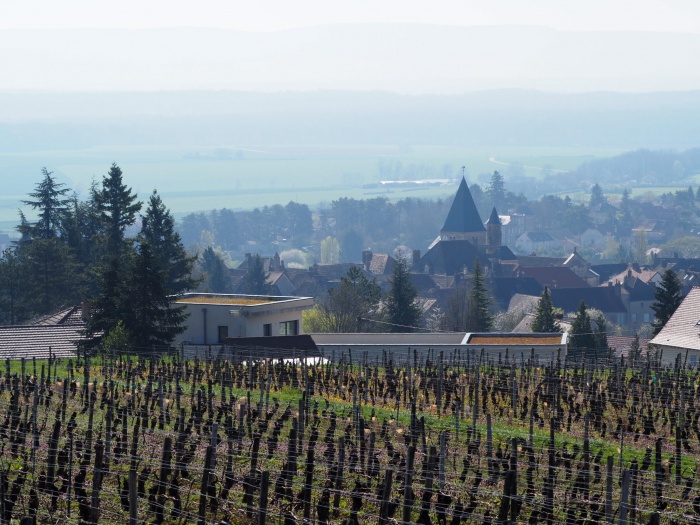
(544, 315)
(118, 207)
(255, 278)
(49, 272)
(667, 297)
(158, 230)
(480, 318)
(151, 320)
(402, 312)
(581, 335)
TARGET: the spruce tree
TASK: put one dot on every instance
(581, 335)
(255, 279)
(152, 319)
(402, 312)
(49, 199)
(667, 297)
(48, 270)
(118, 207)
(158, 230)
(544, 315)
(216, 278)
(480, 318)
(13, 308)
(600, 333)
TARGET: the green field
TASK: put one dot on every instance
(197, 179)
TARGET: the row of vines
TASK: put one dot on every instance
(429, 439)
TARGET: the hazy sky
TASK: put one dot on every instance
(272, 15)
(279, 45)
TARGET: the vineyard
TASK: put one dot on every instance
(442, 438)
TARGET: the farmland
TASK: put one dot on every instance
(243, 177)
(443, 438)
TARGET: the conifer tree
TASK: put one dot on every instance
(49, 199)
(581, 330)
(480, 318)
(255, 279)
(118, 207)
(151, 320)
(353, 299)
(544, 315)
(48, 270)
(158, 230)
(216, 279)
(600, 333)
(13, 309)
(402, 312)
(667, 297)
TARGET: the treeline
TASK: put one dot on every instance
(231, 229)
(78, 251)
(354, 223)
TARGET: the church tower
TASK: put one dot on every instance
(463, 222)
(493, 232)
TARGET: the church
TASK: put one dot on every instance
(462, 239)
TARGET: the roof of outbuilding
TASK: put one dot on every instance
(40, 341)
(683, 328)
(604, 298)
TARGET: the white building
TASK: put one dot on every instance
(214, 317)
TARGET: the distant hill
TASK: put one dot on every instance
(50, 121)
(639, 168)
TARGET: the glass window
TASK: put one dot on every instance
(223, 333)
(289, 328)
(267, 330)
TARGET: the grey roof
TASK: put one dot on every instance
(463, 216)
(683, 328)
(494, 219)
(447, 258)
(539, 236)
(59, 340)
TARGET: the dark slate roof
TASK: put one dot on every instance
(533, 260)
(504, 288)
(447, 258)
(553, 277)
(494, 219)
(539, 236)
(605, 271)
(639, 290)
(274, 347)
(604, 298)
(35, 341)
(423, 282)
(463, 216)
(503, 253)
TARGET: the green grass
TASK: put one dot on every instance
(266, 175)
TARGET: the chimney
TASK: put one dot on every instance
(416, 256)
(367, 259)
(248, 257)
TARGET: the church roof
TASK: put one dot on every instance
(463, 216)
(494, 219)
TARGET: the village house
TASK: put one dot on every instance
(215, 317)
(680, 337)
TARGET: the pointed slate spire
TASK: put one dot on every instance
(463, 216)
(493, 219)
